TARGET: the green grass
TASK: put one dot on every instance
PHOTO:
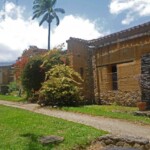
(20, 130)
(11, 98)
(113, 111)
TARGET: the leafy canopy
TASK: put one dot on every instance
(46, 10)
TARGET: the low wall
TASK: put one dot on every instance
(124, 141)
(123, 98)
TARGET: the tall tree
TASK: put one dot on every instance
(45, 8)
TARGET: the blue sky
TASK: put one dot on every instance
(86, 19)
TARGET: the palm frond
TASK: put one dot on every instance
(44, 19)
(35, 16)
(57, 18)
(60, 10)
(35, 2)
(36, 6)
(38, 12)
(53, 2)
(50, 18)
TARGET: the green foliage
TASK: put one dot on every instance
(13, 86)
(51, 58)
(33, 75)
(46, 10)
(62, 87)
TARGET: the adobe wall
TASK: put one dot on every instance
(80, 58)
(126, 56)
(128, 76)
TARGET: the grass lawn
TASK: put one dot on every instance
(20, 130)
(11, 98)
(112, 111)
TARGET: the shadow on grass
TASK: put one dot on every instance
(34, 144)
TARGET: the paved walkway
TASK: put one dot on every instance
(114, 126)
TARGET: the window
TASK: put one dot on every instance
(81, 72)
(114, 78)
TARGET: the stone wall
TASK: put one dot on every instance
(122, 98)
(89, 78)
(111, 141)
(95, 80)
(145, 77)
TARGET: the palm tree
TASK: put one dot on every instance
(45, 8)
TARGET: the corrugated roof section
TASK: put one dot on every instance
(2, 64)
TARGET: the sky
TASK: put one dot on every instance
(85, 19)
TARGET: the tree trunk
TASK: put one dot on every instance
(49, 34)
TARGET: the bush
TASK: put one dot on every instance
(61, 88)
(33, 76)
(13, 86)
(51, 58)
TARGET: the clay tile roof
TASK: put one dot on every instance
(136, 31)
(78, 39)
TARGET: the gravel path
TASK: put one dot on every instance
(114, 126)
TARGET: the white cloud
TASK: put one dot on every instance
(129, 18)
(18, 33)
(132, 8)
(72, 26)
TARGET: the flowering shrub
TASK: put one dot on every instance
(33, 76)
(61, 88)
(51, 58)
(19, 66)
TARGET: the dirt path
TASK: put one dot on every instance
(114, 126)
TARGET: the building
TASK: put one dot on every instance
(6, 76)
(111, 65)
(33, 51)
